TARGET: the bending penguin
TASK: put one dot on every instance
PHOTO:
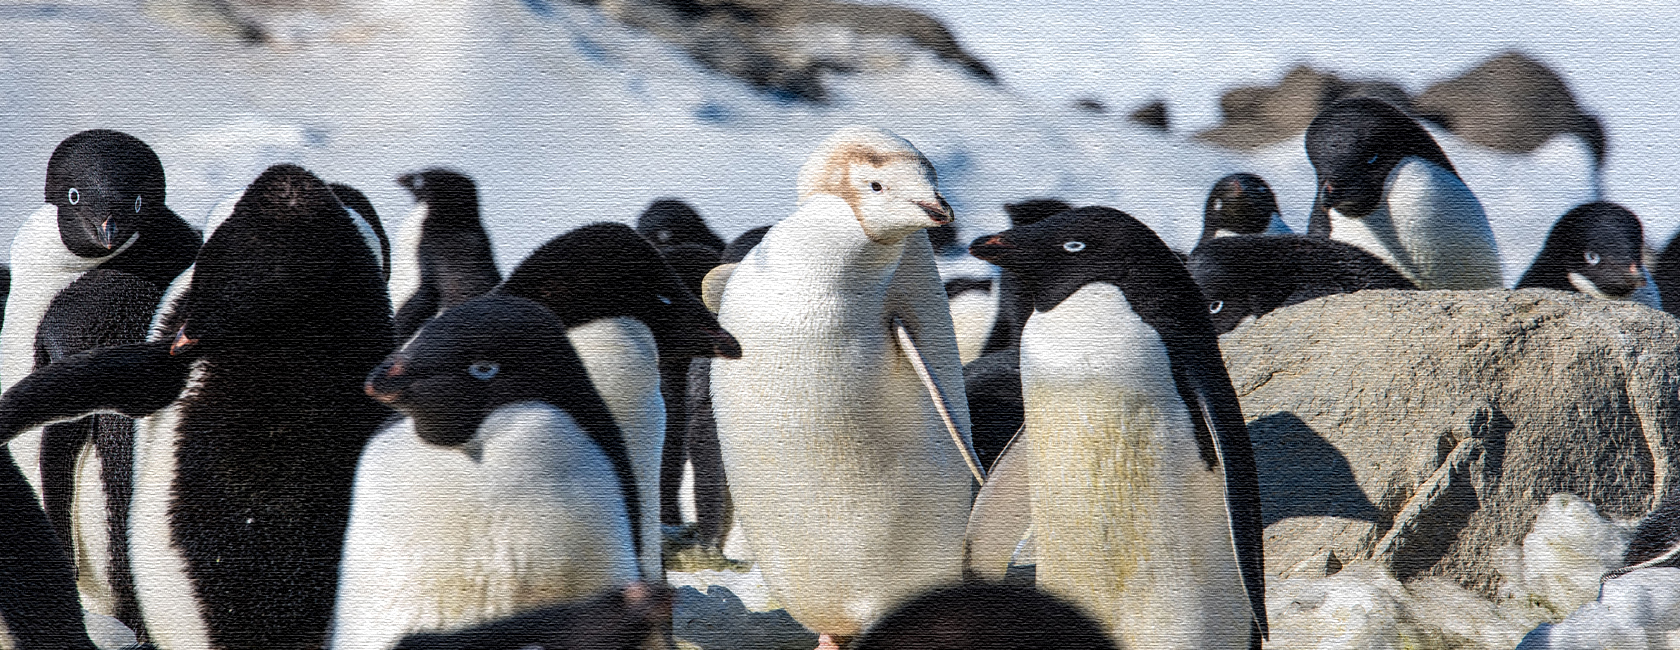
(1596, 249)
(1145, 501)
(506, 488)
(852, 494)
(1248, 276)
(442, 256)
(1385, 186)
(1240, 204)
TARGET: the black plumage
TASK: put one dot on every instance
(456, 263)
(1252, 275)
(1601, 242)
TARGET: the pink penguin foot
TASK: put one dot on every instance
(826, 642)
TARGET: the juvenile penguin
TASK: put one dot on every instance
(254, 418)
(442, 254)
(1385, 186)
(506, 487)
(1596, 249)
(1248, 276)
(1145, 501)
(624, 308)
(851, 492)
(1241, 204)
(670, 222)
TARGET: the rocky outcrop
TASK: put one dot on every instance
(1257, 116)
(1510, 103)
(1423, 430)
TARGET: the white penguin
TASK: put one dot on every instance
(852, 494)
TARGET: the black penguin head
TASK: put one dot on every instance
(744, 244)
(1032, 211)
(451, 195)
(985, 615)
(1601, 243)
(468, 361)
(691, 262)
(606, 270)
(1241, 204)
(1354, 145)
(107, 186)
(669, 222)
(1061, 254)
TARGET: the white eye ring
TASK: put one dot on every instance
(483, 370)
(1216, 306)
(137, 204)
(1218, 205)
(75, 197)
(1592, 258)
(663, 299)
(1073, 246)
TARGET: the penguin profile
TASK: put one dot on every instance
(985, 616)
(506, 488)
(1596, 249)
(442, 255)
(1241, 204)
(1014, 300)
(670, 222)
(1385, 186)
(1248, 276)
(1120, 368)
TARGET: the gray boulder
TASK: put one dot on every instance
(1425, 429)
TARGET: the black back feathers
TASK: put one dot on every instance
(1252, 275)
(456, 263)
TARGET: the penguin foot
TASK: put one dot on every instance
(826, 642)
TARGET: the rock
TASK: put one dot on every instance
(1257, 116)
(1424, 430)
(1153, 115)
(1510, 103)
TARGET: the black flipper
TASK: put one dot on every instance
(135, 380)
(618, 620)
(38, 600)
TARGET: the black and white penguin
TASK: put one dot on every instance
(359, 205)
(90, 266)
(691, 262)
(620, 619)
(1385, 186)
(1597, 249)
(506, 488)
(1014, 296)
(1241, 204)
(442, 256)
(1145, 498)
(254, 417)
(624, 308)
(982, 615)
(670, 222)
(1248, 276)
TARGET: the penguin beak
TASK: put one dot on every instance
(939, 212)
(724, 344)
(386, 382)
(108, 233)
(991, 248)
(182, 342)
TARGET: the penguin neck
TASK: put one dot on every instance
(830, 237)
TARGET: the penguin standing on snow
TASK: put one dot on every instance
(1241, 204)
(624, 308)
(852, 493)
(254, 418)
(1145, 501)
(1249, 276)
(1385, 186)
(1596, 249)
(506, 488)
(442, 255)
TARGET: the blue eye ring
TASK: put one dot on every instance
(1373, 159)
(1216, 306)
(483, 370)
(75, 196)
(1073, 246)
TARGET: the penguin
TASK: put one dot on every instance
(39, 609)
(506, 487)
(1385, 186)
(1145, 501)
(618, 619)
(852, 493)
(1241, 204)
(1014, 304)
(253, 418)
(1245, 277)
(1596, 249)
(1665, 274)
(691, 262)
(367, 221)
(985, 616)
(91, 265)
(670, 222)
(442, 256)
(624, 308)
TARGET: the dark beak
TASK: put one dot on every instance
(182, 342)
(940, 213)
(386, 382)
(108, 234)
(990, 248)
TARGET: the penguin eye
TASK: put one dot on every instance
(75, 197)
(875, 185)
(1372, 160)
(1216, 306)
(1592, 258)
(1073, 246)
(663, 299)
(664, 236)
(483, 370)
(1218, 205)
(137, 204)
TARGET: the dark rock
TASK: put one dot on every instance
(1510, 103)
(1257, 116)
(1152, 115)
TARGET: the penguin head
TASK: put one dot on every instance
(107, 186)
(1032, 211)
(452, 196)
(1239, 204)
(1598, 247)
(1061, 254)
(669, 222)
(891, 187)
(606, 270)
(468, 361)
(1353, 146)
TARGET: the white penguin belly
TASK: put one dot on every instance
(405, 258)
(1130, 522)
(440, 541)
(850, 492)
(623, 363)
(91, 534)
(1431, 228)
(168, 603)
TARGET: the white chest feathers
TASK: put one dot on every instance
(439, 540)
(405, 258)
(1429, 227)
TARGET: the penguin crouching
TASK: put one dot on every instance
(1245, 277)
(1597, 249)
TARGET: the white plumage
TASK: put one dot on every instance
(1429, 227)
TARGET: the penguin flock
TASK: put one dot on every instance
(292, 431)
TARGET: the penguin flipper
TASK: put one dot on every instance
(134, 380)
(1002, 515)
(39, 603)
(916, 296)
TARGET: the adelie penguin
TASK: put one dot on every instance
(1241, 204)
(1248, 276)
(670, 222)
(1385, 186)
(1145, 501)
(1596, 249)
(441, 257)
(89, 268)
(254, 417)
(624, 308)
(505, 489)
